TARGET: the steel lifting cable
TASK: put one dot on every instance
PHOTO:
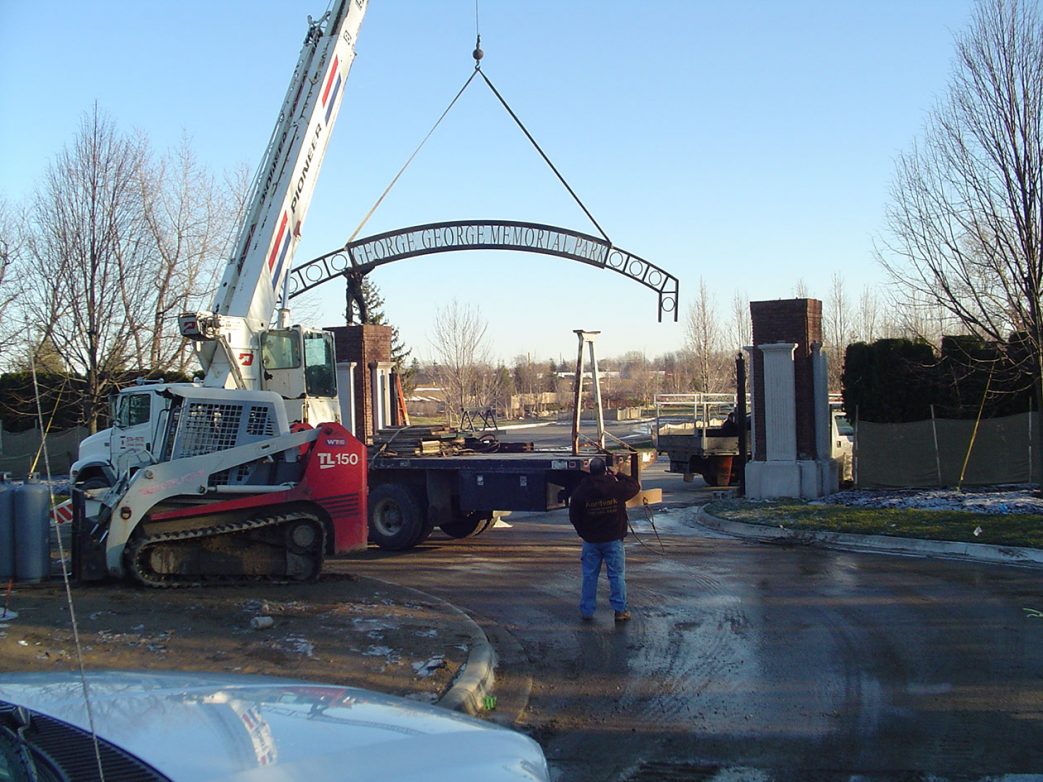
(85, 687)
(478, 54)
(546, 159)
(405, 165)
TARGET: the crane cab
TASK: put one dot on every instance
(299, 364)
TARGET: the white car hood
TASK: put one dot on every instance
(214, 726)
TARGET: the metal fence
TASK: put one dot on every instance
(21, 452)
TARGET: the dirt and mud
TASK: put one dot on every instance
(342, 629)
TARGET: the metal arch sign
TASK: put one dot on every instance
(363, 255)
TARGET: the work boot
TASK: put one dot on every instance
(622, 616)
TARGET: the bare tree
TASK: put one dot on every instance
(528, 382)
(188, 222)
(83, 244)
(917, 317)
(742, 325)
(458, 340)
(12, 281)
(493, 387)
(836, 329)
(867, 319)
(117, 245)
(677, 371)
(640, 382)
(704, 341)
(966, 220)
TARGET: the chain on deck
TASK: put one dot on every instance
(139, 551)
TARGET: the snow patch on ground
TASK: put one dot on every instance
(1000, 500)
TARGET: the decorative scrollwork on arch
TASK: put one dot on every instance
(363, 255)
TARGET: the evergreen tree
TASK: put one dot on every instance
(373, 303)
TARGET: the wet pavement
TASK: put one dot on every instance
(751, 660)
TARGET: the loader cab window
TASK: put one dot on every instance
(132, 409)
(319, 372)
(281, 349)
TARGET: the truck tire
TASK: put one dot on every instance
(396, 518)
(470, 524)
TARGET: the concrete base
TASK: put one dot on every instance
(803, 479)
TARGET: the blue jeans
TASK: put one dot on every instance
(615, 565)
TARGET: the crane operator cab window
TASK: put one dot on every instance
(285, 352)
(281, 349)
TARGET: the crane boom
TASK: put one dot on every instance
(244, 493)
(248, 296)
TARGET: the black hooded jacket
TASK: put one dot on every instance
(597, 508)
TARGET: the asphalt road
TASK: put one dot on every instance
(748, 660)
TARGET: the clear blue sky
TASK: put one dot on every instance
(747, 143)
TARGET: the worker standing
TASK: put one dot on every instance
(597, 509)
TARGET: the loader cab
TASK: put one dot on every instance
(299, 364)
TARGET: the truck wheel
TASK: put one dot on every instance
(470, 524)
(425, 533)
(396, 521)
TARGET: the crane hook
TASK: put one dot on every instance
(478, 54)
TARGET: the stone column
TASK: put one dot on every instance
(789, 401)
(780, 430)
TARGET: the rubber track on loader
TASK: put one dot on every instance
(138, 551)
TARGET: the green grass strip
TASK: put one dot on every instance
(961, 526)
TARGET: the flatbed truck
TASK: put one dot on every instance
(463, 494)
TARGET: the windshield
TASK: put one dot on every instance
(280, 349)
(133, 409)
(319, 374)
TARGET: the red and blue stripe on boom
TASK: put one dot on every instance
(333, 82)
(282, 239)
(279, 250)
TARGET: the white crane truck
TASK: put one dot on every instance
(202, 481)
(249, 473)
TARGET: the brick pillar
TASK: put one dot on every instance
(796, 321)
(367, 345)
